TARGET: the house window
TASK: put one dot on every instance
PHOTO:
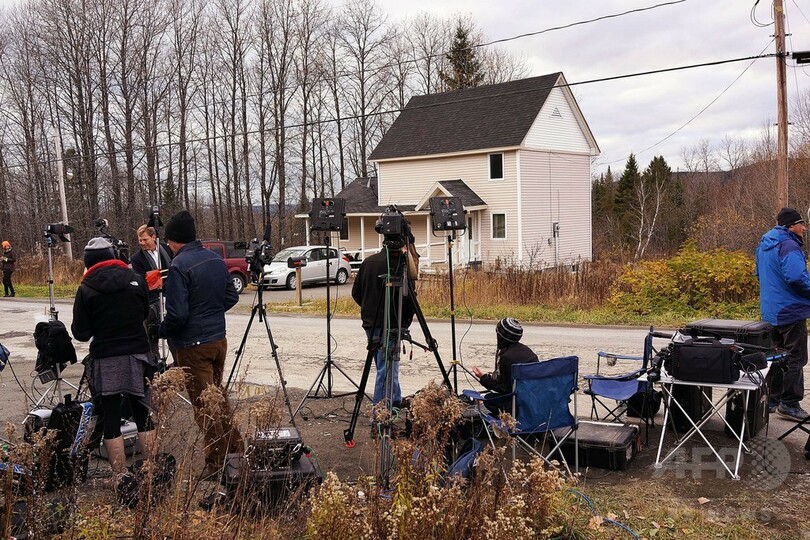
(496, 166)
(344, 230)
(498, 226)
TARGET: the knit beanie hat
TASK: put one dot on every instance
(96, 251)
(789, 216)
(181, 228)
(509, 330)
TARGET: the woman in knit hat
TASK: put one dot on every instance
(111, 306)
(510, 352)
(9, 264)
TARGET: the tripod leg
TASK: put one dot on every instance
(429, 338)
(348, 434)
(240, 351)
(274, 353)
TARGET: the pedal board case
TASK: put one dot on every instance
(604, 445)
(757, 333)
(131, 445)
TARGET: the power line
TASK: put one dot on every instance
(426, 106)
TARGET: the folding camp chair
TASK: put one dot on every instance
(622, 387)
(541, 395)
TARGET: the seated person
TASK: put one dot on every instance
(510, 352)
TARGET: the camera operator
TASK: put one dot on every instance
(510, 352)
(369, 292)
(199, 291)
(110, 307)
(148, 262)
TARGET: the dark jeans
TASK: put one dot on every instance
(204, 365)
(7, 286)
(787, 386)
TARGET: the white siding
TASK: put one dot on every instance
(555, 188)
(556, 127)
(406, 182)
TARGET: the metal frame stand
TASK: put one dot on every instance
(262, 311)
(325, 374)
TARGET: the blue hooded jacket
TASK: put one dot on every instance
(784, 283)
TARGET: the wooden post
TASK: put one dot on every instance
(781, 102)
(298, 286)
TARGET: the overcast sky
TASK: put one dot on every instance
(634, 114)
(637, 113)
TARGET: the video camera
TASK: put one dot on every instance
(394, 227)
(259, 253)
(57, 229)
(120, 248)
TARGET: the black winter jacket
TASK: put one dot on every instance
(9, 260)
(110, 306)
(500, 380)
(198, 292)
(143, 263)
(369, 291)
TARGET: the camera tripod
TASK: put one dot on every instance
(260, 309)
(324, 379)
(397, 287)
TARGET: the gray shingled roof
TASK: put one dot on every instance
(457, 188)
(361, 197)
(493, 116)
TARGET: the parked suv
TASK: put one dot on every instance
(234, 259)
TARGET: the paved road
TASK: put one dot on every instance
(302, 345)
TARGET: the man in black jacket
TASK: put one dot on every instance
(510, 352)
(110, 307)
(148, 262)
(369, 292)
(199, 291)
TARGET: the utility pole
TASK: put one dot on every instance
(781, 99)
(60, 172)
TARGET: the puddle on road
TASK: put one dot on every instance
(10, 335)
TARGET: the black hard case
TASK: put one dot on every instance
(758, 333)
(757, 417)
(693, 402)
(603, 445)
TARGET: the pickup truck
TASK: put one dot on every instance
(234, 259)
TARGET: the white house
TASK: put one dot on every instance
(518, 155)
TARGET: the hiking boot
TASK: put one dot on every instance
(797, 414)
(772, 405)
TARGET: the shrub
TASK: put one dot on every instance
(714, 282)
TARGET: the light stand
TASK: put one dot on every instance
(447, 214)
(54, 373)
(327, 216)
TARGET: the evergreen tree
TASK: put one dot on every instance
(170, 203)
(465, 68)
(626, 189)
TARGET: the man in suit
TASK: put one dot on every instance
(148, 262)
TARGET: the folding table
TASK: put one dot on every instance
(744, 386)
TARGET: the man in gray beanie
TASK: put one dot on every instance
(199, 291)
(510, 352)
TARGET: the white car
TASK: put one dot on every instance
(278, 274)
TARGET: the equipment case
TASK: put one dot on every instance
(757, 333)
(268, 487)
(604, 445)
(692, 400)
(757, 417)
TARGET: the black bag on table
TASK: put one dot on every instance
(706, 360)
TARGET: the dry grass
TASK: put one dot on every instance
(33, 270)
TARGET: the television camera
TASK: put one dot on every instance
(120, 247)
(396, 230)
(258, 254)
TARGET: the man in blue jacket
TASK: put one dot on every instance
(784, 300)
(198, 293)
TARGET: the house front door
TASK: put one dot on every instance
(468, 246)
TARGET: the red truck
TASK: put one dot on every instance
(234, 259)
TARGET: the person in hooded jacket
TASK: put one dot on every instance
(9, 264)
(784, 300)
(110, 307)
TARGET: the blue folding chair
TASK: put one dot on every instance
(621, 387)
(542, 393)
